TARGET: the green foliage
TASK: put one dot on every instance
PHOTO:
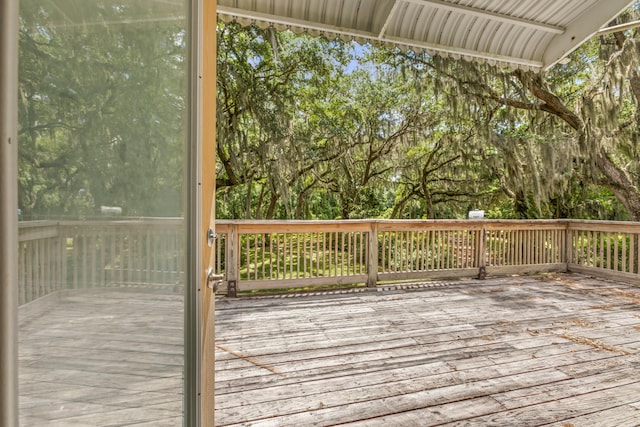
(315, 128)
(100, 112)
(344, 137)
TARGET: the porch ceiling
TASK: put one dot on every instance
(526, 34)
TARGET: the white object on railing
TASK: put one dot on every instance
(110, 210)
(476, 214)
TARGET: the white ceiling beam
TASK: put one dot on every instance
(280, 20)
(392, 13)
(617, 28)
(464, 52)
(582, 29)
(284, 20)
(494, 16)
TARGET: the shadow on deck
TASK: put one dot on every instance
(523, 351)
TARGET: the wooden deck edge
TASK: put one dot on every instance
(138, 289)
(526, 269)
(462, 273)
(602, 273)
(37, 307)
(454, 273)
(41, 305)
(255, 285)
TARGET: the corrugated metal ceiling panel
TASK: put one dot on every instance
(525, 34)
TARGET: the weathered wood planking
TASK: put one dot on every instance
(512, 351)
(102, 357)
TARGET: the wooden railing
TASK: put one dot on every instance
(282, 254)
(606, 249)
(41, 260)
(88, 254)
(254, 255)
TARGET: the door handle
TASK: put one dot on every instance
(213, 280)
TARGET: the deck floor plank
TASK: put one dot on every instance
(621, 416)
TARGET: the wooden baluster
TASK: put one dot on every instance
(319, 251)
(334, 248)
(540, 251)
(383, 250)
(324, 254)
(624, 252)
(348, 266)
(22, 262)
(276, 247)
(637, 246)
(361, 268)
(263, 248)
(511, 247)
(633, 242)
(298, 253)
(608, 251)
(602, 260)
(139, 256)
(372, 258)
(616, 253)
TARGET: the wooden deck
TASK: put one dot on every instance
(560, 350)
(101, 358)
(511, 352)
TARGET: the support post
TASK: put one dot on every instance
(372, 256)
(232, 260)
(568, 246)
(482, 254)
(8, 213)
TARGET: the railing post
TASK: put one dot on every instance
(372, 256)
(568, 246)
(482, 256)
(232, 258)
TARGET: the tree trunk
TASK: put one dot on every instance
(273, 203)
(618, 182)
(247, 213)
(615, 177)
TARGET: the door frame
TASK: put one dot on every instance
(9, 12)
(200, 178)
(199, 397)
(207, 117)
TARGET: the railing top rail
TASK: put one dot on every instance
(34, 224)
(284, 226)
(42, 229)
(391, 221)
(124, 222)
(519, 224)
(34, 230)
(595, 225)
(294, 221)
(30, 229)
